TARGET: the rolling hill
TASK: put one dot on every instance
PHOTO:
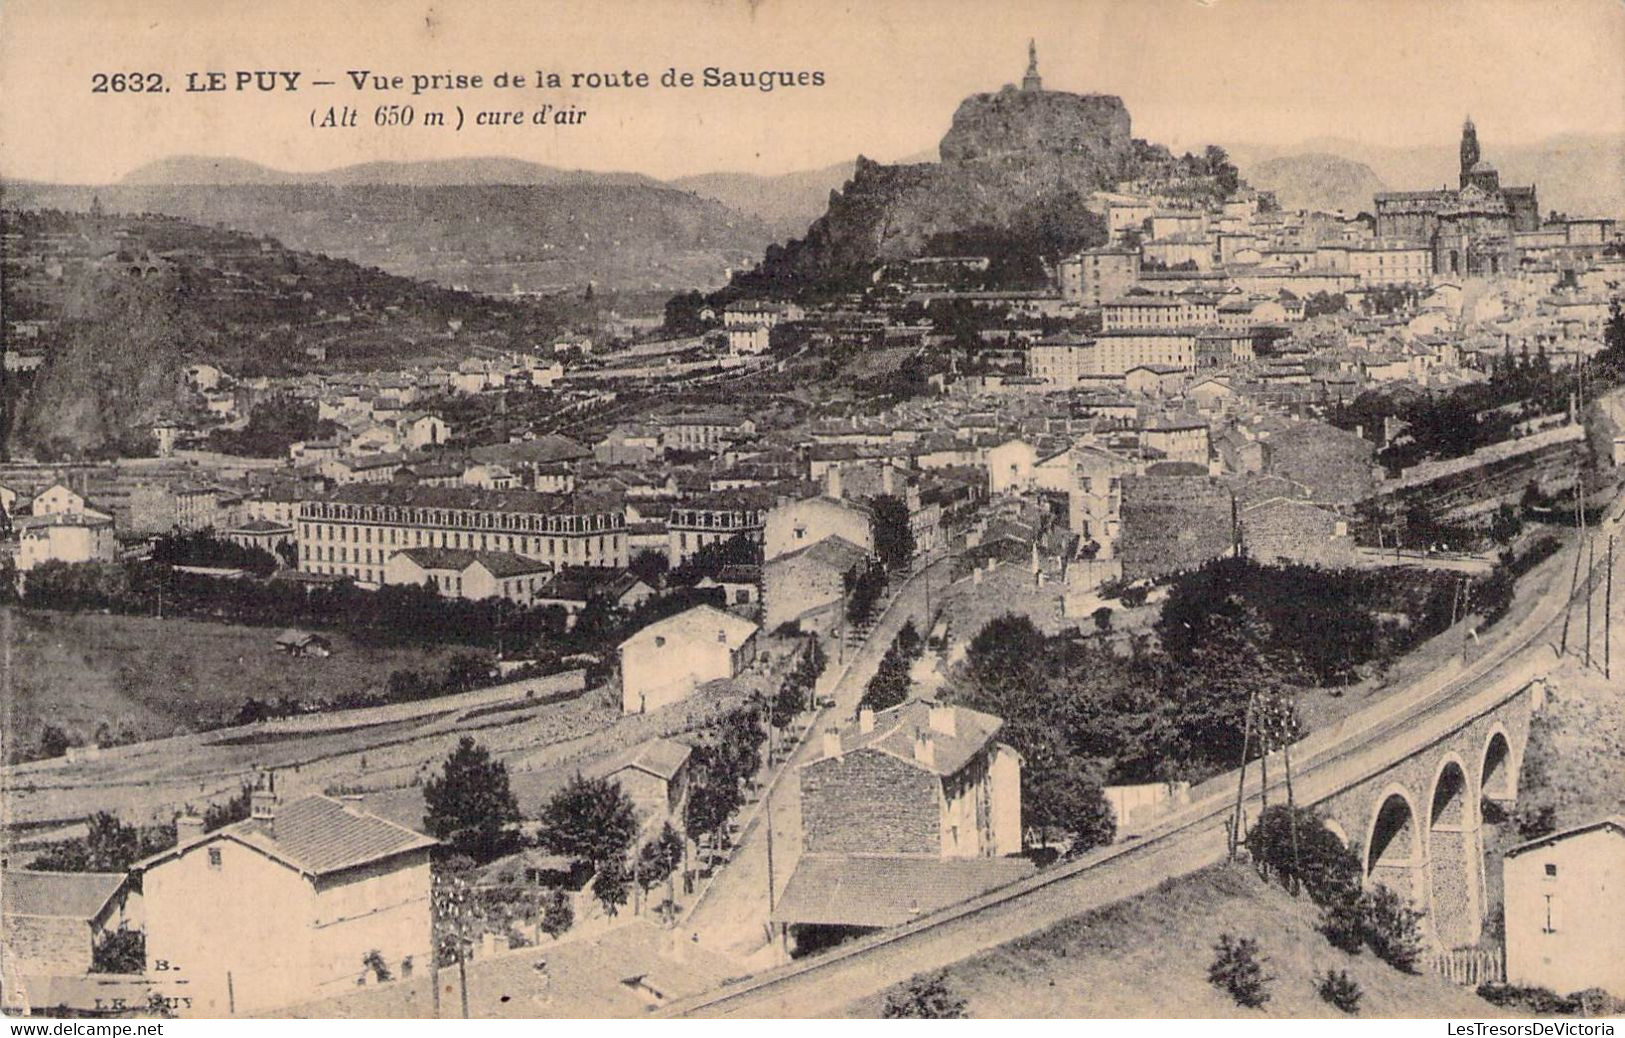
(489, 225)
(1317, 181)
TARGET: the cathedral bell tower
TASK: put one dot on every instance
(1469, 149)
(1031, 80)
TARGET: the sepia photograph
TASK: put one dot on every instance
(799, 509)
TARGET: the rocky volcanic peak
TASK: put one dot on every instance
(1038, 122)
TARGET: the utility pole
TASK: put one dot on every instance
(462, 974)
(1291, 803)
(1236, 835)
(1574, 577)
(768, 818)
(1608, 614)
(1591, 592)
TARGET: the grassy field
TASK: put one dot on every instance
(1098, 964)
(144, 677)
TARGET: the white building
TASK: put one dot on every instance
(670, 658)
(1565, 909)
(285, 906)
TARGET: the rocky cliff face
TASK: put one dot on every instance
(1089, 129)
(1015, 168)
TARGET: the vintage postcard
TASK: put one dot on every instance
(791, 509)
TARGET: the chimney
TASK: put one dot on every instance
(832, 480)
(832, 743)
(925, 750)
(942, 718)
(262, 803)
(866, 719)
(188, 827)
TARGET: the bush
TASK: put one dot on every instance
(1535, 1001)
(1339, 989)
(1342, 921)
(120, 951)
(1392, 929)
(1238, 969)
(925, 998)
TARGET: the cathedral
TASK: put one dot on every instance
(1469, 228)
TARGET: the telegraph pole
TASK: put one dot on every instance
(1608, 614)
(768, 818)
(1236, 835)
(1574, 577)
(1591, 571)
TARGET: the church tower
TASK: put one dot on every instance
(1031, 80)
(1469, 149)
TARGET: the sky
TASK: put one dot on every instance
(1270, 72)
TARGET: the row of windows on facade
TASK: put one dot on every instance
(712, 520)
(426, 539)
(457, 517)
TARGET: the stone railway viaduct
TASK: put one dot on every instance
(1403, 782)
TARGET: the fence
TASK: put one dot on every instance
(1470, 967)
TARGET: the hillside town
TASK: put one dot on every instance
(593, 665)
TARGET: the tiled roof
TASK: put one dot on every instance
(524, 501)
(894, 731)
(57, 895)
(317, 835)
(885, 890)
(659, 757)
(833, 551)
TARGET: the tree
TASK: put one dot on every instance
(1103, 619)
(660, 857)
(893, 536)
(557, 915)
(469, 805)
(612, 885)
(1294, 845)
(925, 997)
(591, 820)
(1006, 662)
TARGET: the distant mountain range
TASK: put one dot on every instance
(494, 224)
(483, 171)
(489, 224)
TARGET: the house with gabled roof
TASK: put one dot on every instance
(285, 905)
(50, 923)
(923, 778)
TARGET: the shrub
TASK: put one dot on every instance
(924, 998)
(120, 951)
(1392, 929)
(1339, 989)
(1342, 921)
(1238, 969)
(1535, 1001)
